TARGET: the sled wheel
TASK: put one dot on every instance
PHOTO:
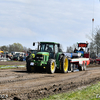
(72, 67)
(81, 67)
(84, 66)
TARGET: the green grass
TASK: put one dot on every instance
(9, 66)
(88, 93)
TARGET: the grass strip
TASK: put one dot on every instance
(10, 66)
(90, 93)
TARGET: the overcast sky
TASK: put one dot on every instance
(63, 21)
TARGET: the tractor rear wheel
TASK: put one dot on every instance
(51, 66)
(64, 65)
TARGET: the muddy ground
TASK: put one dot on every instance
(20, 85)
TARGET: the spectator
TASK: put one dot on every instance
(75, 50)
(81, 49)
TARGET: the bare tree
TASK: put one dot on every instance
(70, 49)
(95, 42)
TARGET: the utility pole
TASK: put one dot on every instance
(92, 28)
(93, 22)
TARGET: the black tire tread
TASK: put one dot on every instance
(62, 64)
(49, 66)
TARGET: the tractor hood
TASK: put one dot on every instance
(43, 53)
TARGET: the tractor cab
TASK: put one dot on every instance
(49, 48)
(83, 49)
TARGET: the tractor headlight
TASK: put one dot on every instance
(39, 57)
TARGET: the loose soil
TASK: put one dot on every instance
(20, 85)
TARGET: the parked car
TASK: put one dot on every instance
(19, 56)
(22, 57)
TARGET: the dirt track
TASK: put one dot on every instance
(17, 83)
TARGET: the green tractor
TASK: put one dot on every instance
(49, 57)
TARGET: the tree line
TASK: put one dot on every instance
(14, 47)
(95, 42)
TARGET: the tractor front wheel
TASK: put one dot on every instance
(28, 66)
(51, 66)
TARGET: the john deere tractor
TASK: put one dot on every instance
(49, 57)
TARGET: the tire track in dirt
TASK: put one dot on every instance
(22, 85)
(17, 78)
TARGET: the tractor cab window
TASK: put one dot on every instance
(42, 48)
(47, 47)
(56, 48)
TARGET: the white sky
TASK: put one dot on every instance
(63, 21)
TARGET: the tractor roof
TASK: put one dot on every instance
(50, 42)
